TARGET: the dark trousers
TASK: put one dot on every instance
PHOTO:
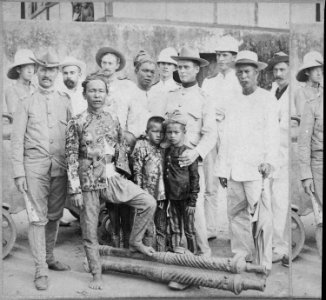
(181, 220)
(121, 220)
(156, 233)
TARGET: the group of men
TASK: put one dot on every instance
(237, 130)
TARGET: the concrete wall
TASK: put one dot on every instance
(84, 39)
(260, 14)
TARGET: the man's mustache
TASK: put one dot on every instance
(277, 77)
(46, 78)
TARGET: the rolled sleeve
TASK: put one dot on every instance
(304, 141)
(17, 140)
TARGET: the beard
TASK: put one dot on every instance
(70, 84)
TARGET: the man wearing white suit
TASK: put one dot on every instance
(220, 88)
(279, 64)
(249, 150)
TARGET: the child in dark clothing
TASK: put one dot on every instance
(147, 159)
(181, 183)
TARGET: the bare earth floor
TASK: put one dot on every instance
(18, 272)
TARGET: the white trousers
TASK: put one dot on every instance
(200, 221)
(242, 199)
(211, 199)
(280, 209)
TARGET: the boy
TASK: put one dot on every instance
(147, 160)
(181, 183)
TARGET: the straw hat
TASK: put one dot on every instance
(105, 50)
(276, 59)
(227, 43)
(188, 53)
(310, 60)
(48, 60)
(247, 57)
(22, 57)
(165, 56)
(72, 61)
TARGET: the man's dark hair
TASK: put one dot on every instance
(91, 78)
(154, 119)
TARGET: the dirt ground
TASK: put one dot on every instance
(18, 271)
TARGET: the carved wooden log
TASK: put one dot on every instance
(233, 265)
(233, 283)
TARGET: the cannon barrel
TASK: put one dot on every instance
(233, 265)
(232, 282)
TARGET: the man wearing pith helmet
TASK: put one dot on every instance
(247, 157)
(39, 166)
(201, 129)
(220, 88)
(121, 89)
(311, 138)
(311, 73)
(279, 65)
(22, 70)
(166, 67)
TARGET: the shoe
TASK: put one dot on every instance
(41, 283)
(173, 285)
(277, 257)
(285, 261)
(58, 266)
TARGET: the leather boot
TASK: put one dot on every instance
(319, 238)
(36, 238)
(51, 234)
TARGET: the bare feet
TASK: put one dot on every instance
(96, 283)
(142, 249)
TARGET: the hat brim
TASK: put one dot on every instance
(234, 52)
(167, 61)
(274, 61)
(258, 64)
(12, 72)
(43, 64)
(80, 65)
(105, 50)
(301, 76)
(202, 62)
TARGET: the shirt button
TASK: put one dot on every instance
(49, 113)
(51, 141)
(50, 156)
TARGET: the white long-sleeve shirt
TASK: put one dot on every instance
(143, 105)
(251, 136)
(220, 88)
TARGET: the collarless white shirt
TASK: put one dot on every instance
(251, 136)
